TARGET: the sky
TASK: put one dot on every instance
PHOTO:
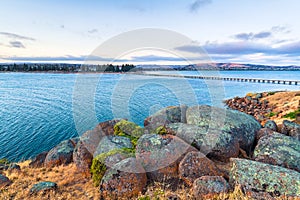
(243, 31)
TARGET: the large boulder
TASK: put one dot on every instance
(92, 138)
(38, 161)
(61, 154)
(194, 165)
(271, 125)
(4, 181)
(43, 187)
(109, 143)
(171, 114)
(241, 126)
(261, 177)
(160, 155)
(126, 179)
(208, 187)
(82, 158)
(291, 128)
(278, 149)
(212, 142)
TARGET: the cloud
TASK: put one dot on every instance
(16, 36)
(194, 7)
(253, 36)
(280, 29)
(93, 31)
(16, 44)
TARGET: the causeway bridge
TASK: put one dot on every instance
(250, 80)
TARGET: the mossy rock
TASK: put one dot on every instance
(100, 165)
(128, 129)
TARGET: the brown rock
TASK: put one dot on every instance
(38, 161)
(125, 180)
(82, 158)
(263, 132)
(195, 165)
(207, 187)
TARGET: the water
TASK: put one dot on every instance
(37, 110)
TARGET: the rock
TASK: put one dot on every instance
(125, 180)
(171, 114)
(106, 160)
(4, 181)
(61, 154)
(43, 186)
(241, 126)
(75, 140)
(109, 143)
(173, 197)
(92, 138)
(263, 132)
(271, 125)
(14, 166)
(160, 155)
(195, 165)
(3, 167)
(260, 177)
(126, 128)
(214, 143)
(82, 158)
(290, 128)
(107, 127)
(38, 161)
(278, 149)
(207, 187)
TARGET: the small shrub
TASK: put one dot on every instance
(271, 93)
(4, 161)
(292, 115)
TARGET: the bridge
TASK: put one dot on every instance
(250, 80)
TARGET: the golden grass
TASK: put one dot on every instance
(73, 186)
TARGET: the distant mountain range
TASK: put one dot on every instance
(217, 66)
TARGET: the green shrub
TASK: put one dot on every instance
(130, 130)
(4, 161)
(292, 115)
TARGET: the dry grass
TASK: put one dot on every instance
(73, 186)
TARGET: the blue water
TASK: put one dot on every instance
(37, 110)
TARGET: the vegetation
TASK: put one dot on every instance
(292, 115)
(4, 161)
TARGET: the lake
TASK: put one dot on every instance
(38, 110)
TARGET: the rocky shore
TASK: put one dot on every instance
(198, 152)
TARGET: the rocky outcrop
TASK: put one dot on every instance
(61, 154)
(82, 158)
(43, 187)
(290, 128)
(195, 165)
(4, 181)
(240, 126)
(278, 149)
(271, 125)
(39, 160)
(125, 180)
(212, 142)
(160, 155)
(109, 143)
(207, 187)
(260, 177)
(171, 114)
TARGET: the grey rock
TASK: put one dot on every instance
(271, 125)
(43, 186)
(207, 187)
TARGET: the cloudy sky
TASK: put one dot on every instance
(243, 31)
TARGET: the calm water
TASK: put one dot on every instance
(37, 111)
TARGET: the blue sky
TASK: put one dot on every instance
(244, 31)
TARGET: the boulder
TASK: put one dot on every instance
(208, 187)
(171, 114)
(109, 143)
(263, 132)
(38, 161)
(160, 155)
(4, 181)
(82, 158)
(271, 125)
(278, 149)
(241, 126)
(107, 127)
(195, 165)
(106, 160)
(61, 154)
(261, 177)
(43, 187)
(126, 179)
(214, 143)
(291, 129)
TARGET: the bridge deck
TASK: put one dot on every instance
(250, 80)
